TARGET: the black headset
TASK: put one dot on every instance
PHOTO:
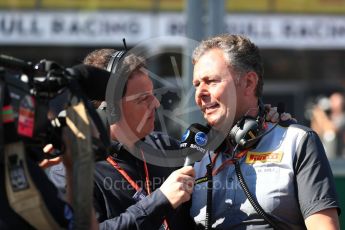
(248, 130)
(114, 66)
(115, 59)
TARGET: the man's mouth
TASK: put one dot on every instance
(209, 107)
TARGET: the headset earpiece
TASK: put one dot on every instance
(115, 113)
(113, 67)
(246, 132)
(114, 60)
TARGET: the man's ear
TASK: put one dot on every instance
(250, 82)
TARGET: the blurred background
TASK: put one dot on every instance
(302, 44)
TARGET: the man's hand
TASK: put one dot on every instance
(273, 116)
(178, 187)
(46, 163)
(48, 149)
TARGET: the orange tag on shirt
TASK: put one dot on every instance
(263, 157)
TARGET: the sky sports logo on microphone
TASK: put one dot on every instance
(200, 138)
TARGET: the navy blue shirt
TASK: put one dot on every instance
(115, 203)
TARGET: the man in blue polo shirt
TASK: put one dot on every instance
(289, 180)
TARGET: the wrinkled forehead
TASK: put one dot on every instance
(211, 64)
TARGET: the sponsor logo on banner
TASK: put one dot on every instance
(105, 27)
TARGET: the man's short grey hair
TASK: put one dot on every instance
(241, 55)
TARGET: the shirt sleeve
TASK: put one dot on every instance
(315, 185)
(56, 175)
(148, 213)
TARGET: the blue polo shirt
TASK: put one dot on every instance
(288, 173)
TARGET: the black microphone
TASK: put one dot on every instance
(194, 142)
(16, 64)
(92, 80)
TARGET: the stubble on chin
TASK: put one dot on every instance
(220, 127)
(212, 122)
(221, 124)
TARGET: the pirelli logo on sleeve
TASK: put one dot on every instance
(263, 157)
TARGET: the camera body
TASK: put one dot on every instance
(29, 95)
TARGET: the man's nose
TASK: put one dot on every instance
(155, 103)
(202, 90)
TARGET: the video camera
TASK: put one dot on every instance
(31, 99)
(38, 93)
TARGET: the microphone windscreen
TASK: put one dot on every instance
(93, 80)
(193, 143)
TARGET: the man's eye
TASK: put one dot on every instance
(142, 99)
(212, 82)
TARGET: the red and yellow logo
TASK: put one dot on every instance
(263, 157)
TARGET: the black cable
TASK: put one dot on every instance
(2, 100)
(208, 218)
(250, 197)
